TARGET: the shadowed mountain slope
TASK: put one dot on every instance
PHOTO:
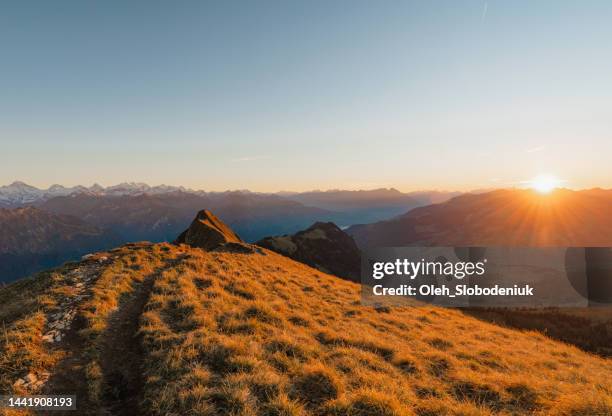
(359, 206)
(161, 217)
(502, 218)
(323, 246)
(32, 239)
(160, 329)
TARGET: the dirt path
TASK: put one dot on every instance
(122, 355)
(120, 348)
(121, 359)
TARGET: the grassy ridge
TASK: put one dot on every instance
(262, 335)
(259, 334)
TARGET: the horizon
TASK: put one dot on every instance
(281, 96)
(526, 186)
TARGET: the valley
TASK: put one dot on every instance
(132, 212)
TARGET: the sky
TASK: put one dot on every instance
(288, 95)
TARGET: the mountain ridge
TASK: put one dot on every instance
(323, 246)
(158, 329)
(501, 217)
(20, 193)
(32, 239)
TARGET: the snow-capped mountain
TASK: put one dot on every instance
(136, 188)
(19, 194)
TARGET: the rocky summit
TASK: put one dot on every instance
(324, 246)
(207, 232)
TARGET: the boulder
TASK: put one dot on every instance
(208, 232)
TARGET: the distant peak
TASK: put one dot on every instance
(324, 226)
(20, 184)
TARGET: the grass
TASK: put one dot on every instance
(588, 328)
(269, 336)
(22, 318)
(258, 334)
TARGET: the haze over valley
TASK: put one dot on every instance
(128, 212)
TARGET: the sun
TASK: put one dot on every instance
(544, 184)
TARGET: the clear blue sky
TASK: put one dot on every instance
(272, 95)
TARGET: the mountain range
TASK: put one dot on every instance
(500, 218)
(361, 207)
(18, 193)
(134, 211)
(138, 211)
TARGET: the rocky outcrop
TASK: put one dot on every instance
(61, 317)
(323, 246)
(208, 232)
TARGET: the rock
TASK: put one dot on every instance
(87, 256)
(48, 337)
(19, 382)
(30, 378)
(207, 232)
(58, 337)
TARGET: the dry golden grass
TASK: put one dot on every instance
(24, 305)
(116, 282)
(259, 334)
(22, 316)
(253, 334)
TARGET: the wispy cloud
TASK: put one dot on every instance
(249, 158)
(535, 149)
(485, 8)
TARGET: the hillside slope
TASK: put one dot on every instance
(32, 239)
(500, 218)
(159, 329)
